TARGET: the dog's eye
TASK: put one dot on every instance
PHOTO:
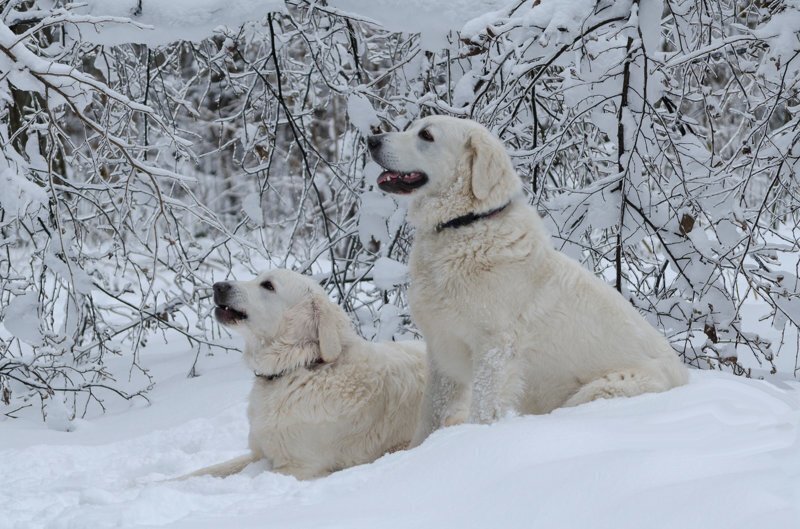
(268, 285)
(425, 135)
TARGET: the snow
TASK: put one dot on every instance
(722, 452)
(376, 209)
(388, 273)
(21, 318)
(650, 24)
(390, 318)
(162, 22)
(781, 33)
(17, 194)
(361, 114)
(252, 208)
(464, 90)
(432, 20)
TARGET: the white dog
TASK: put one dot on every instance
(323, 399)
(511, 324)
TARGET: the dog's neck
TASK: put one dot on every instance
(274, 376)
(469, 218)
(276, 357)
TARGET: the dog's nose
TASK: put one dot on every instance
(374, 142)
(221, 290)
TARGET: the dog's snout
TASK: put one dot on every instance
(374, 142)
(221, 291)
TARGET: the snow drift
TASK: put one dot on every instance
(722, 452)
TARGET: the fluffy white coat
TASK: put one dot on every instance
(511, 323)
(336, 400)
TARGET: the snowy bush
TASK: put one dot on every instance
(658, 139)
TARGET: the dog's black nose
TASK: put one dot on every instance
(221, 290)
(374, 141)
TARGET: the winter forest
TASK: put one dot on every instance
(150, 148)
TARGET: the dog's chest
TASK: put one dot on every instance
(448, 267)
(461, 274)
(283, 425)
(477, 289)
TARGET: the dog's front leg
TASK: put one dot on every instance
(440, 392)
(496, 385)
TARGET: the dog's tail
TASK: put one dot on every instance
(221, 470)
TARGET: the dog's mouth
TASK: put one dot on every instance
(401, 183)
(228, 316)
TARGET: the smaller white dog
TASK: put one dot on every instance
(323, 399)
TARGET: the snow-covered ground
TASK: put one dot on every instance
(722, 452)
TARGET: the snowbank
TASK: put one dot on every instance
(722, 452)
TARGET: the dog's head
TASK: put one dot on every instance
(457, 161)
(286, 319)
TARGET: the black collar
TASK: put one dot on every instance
(279, 374)
(469, 218)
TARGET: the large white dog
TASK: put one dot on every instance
(323, 398)
(511, 324)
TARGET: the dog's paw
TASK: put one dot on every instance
(485, 415)
(490, 414)
(455, 419)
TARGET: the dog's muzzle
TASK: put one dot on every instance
(223, 312)
(391, 181)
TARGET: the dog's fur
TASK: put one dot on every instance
(511, 324)
(337, 400)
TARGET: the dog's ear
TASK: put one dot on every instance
(331, 323)
(313, 328)
(490, 164)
